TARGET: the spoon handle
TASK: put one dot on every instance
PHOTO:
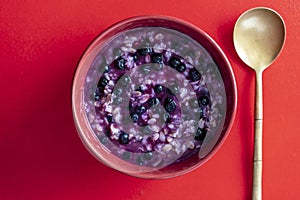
(257, 161)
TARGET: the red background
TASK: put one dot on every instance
(41, 155)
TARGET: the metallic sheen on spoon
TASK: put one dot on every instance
(259, 35)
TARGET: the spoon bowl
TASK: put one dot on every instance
(259, 36)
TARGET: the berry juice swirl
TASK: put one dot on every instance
(154, 97)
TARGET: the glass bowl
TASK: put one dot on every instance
(153, 97)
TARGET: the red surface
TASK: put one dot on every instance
(43, 158)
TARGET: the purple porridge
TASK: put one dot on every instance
(154, 96)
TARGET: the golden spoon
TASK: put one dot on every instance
(258, 37)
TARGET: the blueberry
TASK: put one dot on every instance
(194, 75)
(109, 118)
(204, 91)
(157, 58)
(200, 134)
(140, 89)
(96, 95)
(167, 118)
(106, 69)
(123, 138)
(174, 62)
(158, 88)
(102, 82)
(153, 101)
(177, 64)
(134, 57)
(203, 100)
(120, 63)
(130, 106)
(181, 67)
(144, 51)
(170, 105)
(140, 110)
(134, 117)
(201, 113)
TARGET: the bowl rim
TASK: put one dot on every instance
(211, 47)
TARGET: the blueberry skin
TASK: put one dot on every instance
(158, 88)
(120, 63)
(134, 57)
(194, 75)
(204, 100)
(200, 134)
(144, 51)
(105, 69)
(177, 64)
(109, 118)
(167, 118)
(181, 67)
(134, 116)
(96, 95)
(140, 89)
(130, 107)
(201, 114)
(153, 101)
(174, 62)
(102, 82)
(170, 105)
(157, 58)
(140, 110)
(124, 138)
